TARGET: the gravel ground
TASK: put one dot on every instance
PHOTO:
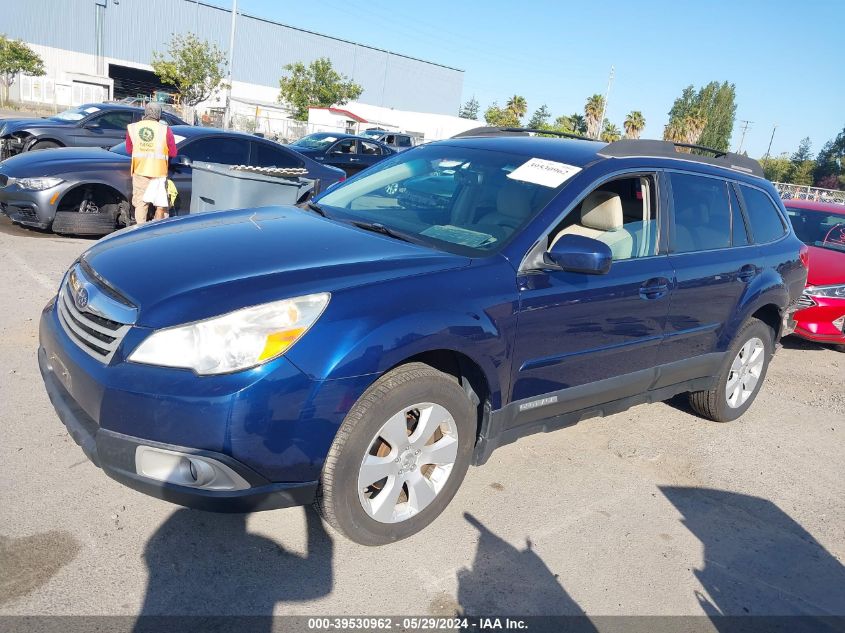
(652, 511)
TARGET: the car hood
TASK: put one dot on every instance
(8, 126)
(191, 268)
(60, 160)
(827, 267)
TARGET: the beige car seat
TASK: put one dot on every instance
(602, 220)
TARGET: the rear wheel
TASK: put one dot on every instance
(399, 456)
(741, 376)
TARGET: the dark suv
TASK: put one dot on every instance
(362, 352)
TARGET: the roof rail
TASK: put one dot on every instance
(517, 131)
(669, 149)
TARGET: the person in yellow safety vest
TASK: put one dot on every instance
(151, 144)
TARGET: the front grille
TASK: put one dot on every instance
(95, 334)
(805, 301)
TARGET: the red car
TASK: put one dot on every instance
(821, 226)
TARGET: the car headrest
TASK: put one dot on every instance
(513, 200)
(602, 211)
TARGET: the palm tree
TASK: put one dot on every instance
(518, 105)
(634, 124)
(593, 110)
(610, 133)
(675, 130)
(694, 124)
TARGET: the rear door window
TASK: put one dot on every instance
(370, 148)
(403, 141)
(763, 216)
(265, 155)
(228, 151)
(702, 215)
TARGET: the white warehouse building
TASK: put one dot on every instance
(96, 50)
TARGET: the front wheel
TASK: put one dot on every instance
(399, 456)
(741, 377)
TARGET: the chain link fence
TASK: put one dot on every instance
(789, 191)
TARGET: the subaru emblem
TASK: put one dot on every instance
(81, 298)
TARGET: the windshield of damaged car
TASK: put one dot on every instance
(316, 141)
(457, 199)
(75, 114)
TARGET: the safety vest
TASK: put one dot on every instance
(149, 148)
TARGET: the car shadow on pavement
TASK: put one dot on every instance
(203, 564)
(504, 579)
(757, 559)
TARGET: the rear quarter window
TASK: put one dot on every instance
(766, 222)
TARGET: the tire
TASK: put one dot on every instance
(43, 145)
(75, 223)
(744, 352)
(423, 490)
(839, 348)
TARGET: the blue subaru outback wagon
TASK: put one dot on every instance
(363, 351)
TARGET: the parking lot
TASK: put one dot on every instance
(652, 511)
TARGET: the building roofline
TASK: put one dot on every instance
(331, 37)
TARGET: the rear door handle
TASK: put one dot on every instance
(655, 288)
(747, 273)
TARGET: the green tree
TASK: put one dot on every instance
(776, 168)
(470, 109)
(801, 164)
(829, 161)
(540, 119)
(610, 132)
(634, 124)
(574, 123)
(705, 116)
(518, 105)
(317, 84)
(500, 117)
(16, 58)
(194, 66)
(593, 110)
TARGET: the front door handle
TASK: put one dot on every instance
(655, 288)
(354, 160)
(747, 273)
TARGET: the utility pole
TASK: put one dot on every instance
(227, 116)
(745, 126)
(604, 106)
(770, 142)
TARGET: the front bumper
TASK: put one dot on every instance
(816, 323)
(115, 454)
(271, 425)
(30, 208)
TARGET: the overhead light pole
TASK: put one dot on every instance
(604, 105)
(768, 151)
(227, 116)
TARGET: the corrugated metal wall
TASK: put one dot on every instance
(134, 28)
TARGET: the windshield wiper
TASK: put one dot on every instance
(376, 227)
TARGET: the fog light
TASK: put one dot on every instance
(183, 469)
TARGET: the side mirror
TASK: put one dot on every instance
(579, 254)
(183, 160)
(93, 125)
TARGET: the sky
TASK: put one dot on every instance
(784, 56)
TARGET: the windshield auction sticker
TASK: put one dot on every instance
(547, 173)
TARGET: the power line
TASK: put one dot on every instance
(745, 126)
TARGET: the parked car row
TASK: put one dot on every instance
(85, 190)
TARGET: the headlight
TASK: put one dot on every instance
(837, 292)
(235, 341)
(37, 184)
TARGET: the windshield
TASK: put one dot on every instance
(461, 200)
(819, 228)
(75, 114)
(315, 141)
